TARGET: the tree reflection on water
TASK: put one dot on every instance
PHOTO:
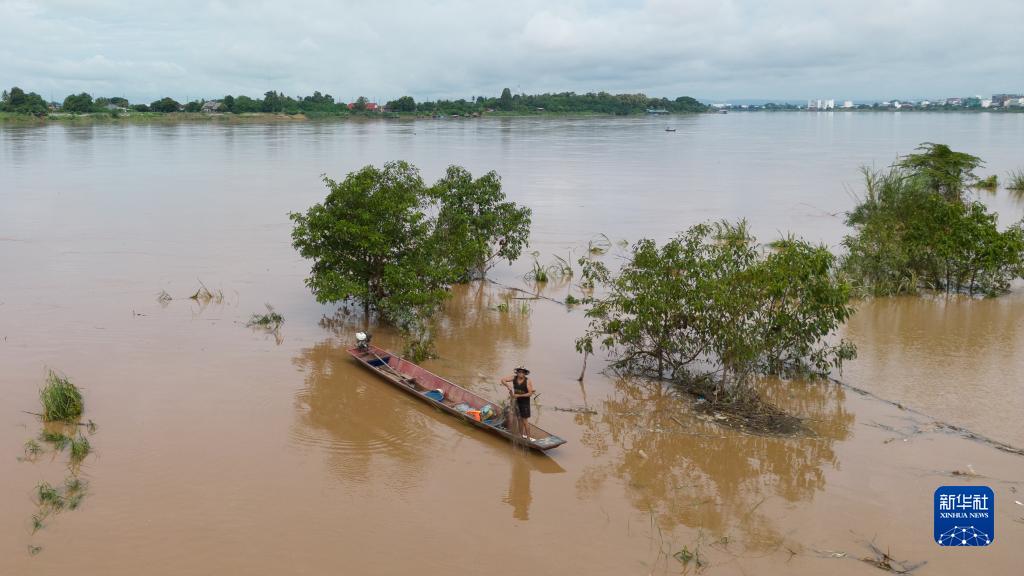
(686, 469)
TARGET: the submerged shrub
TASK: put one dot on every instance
(61, 399)
(911, 235)
(710, 305)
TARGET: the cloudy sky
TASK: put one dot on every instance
(715, 50)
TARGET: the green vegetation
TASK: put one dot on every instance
(165, 105)
(270, 320)
(61, 399)
(712, 311)
(80, 448)
(1016, 181)
(990, 183)
(384, 239)
(324, 105)
(49, 497)
(58, 440)
(916, 230)
(475, 223)
(32, 448)
(539, 272)
(941, 170)
(18, 102)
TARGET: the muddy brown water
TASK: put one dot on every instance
(226, 450)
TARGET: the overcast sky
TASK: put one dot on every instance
(715, 50)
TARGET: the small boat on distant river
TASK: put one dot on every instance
(669, 129)
(447, 396)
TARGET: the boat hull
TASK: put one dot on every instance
(453, 399)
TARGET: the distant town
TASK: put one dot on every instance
(995, 102)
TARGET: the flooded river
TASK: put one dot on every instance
(220, 449)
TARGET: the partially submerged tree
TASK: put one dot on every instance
(476, 221)
(941, 170)
(915, 230)
(385, 240)
(711, 307)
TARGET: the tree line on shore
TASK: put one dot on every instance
(712, 309)
(17, 101)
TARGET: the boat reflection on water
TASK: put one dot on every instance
(523, 466)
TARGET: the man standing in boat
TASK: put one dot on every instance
(520, 387)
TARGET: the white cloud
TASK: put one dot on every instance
(458, 48)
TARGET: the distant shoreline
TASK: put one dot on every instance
(275, 117)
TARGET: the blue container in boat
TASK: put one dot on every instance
(435, 395)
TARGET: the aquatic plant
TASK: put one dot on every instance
(59, 440)
(33, 549)
(270, 320)
(539, 272)
(599, 244)
(49, 497)
(561, 268)
(502, 307)
(80, 448)
(32, 448)
(1016, 180)
(204, 294)
(990, 183)
(61, 399)
(37, 522)
(571, 300)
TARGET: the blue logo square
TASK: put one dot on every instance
(964, 516)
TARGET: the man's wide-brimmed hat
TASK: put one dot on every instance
(522, 369)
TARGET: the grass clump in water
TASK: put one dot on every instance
(61, 399)
(990, 183)
(49, 497)
(270, 320)
(32, 448)
(80, 448)
(1016, 181)
(59, 440)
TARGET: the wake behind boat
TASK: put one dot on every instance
(448, 396)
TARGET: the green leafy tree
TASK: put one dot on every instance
(911, 234)
(244, 104)
(505, 101)
(942, 170)
(374, 240)
(371, 241)
(477, 222)
(709, 306)
(78, 104)
(228, 103)
(165, 104)
(360, 104)
(17, 101)
(403, 104)
(194, 106)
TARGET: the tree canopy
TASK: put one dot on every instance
(18, 101)
(916, 229)
(385, 240)
(78, 104)
(166, 104)
(710, 305)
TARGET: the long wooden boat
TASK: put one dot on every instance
(449, 397)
